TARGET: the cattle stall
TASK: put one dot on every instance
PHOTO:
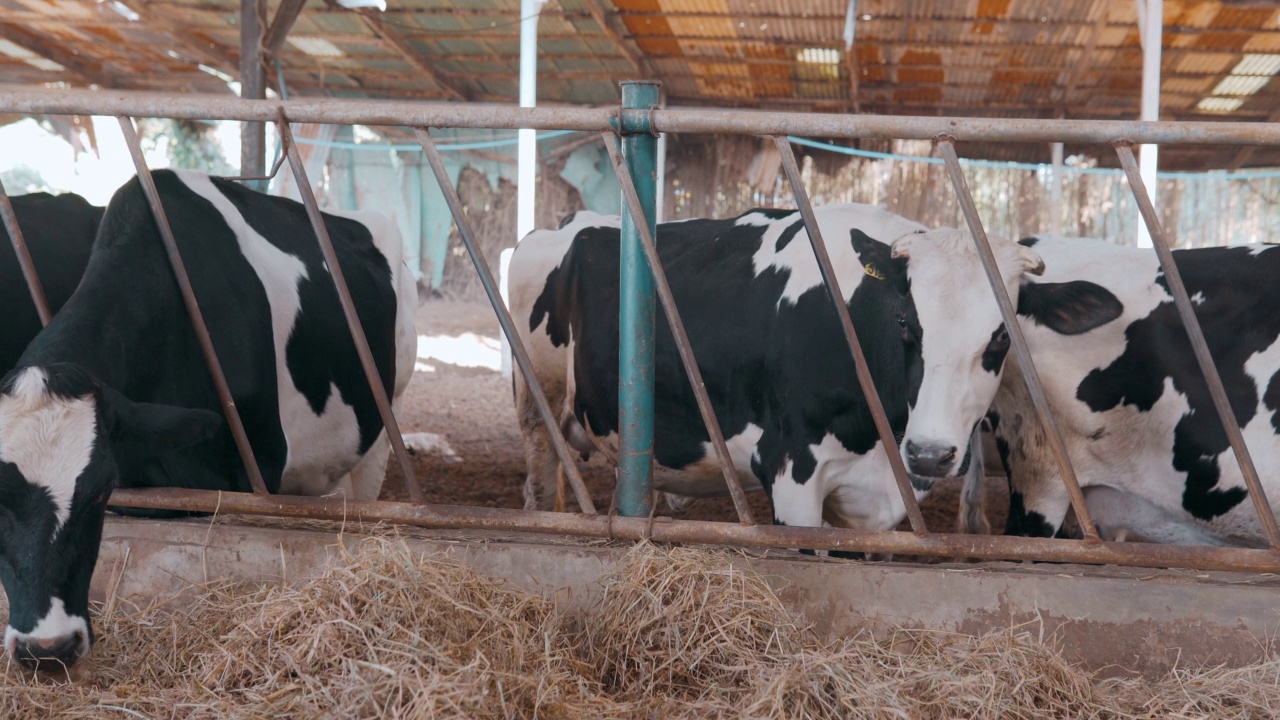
(635, 124)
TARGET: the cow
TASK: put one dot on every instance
(59, 231)
(767, 339)
(1121, 379)
(115, 392)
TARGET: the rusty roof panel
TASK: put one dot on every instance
(1205, 63)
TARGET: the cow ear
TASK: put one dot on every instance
(877, 261)
(901, 248)
(1069, 308)
(157, 428)
(1032, 263)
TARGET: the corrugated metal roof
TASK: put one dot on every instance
(1029, 58)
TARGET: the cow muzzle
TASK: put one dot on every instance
(47, 654)
(930, 459)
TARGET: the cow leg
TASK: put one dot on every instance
(1120, 516)
(1037, 507)
(973, 494)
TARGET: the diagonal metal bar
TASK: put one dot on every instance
(504, 319)
(24, 258)
(1017, 339)
(1196, 335)
(389, 423)
(193, 308)
(678, 332)
(851, 336)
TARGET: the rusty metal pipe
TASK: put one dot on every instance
(983, 547)
(193, 308)
(851, 337)
(504, 319)
(25, 262)
(678, 333)
(389, 423)
(687, 120)
(1196, 335)
(1007, 311)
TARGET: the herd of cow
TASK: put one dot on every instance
(115, 393)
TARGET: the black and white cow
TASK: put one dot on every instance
(115, 393)
(1134, 410)
(767, 340)
(59, 231)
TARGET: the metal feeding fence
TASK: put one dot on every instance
(636, 124)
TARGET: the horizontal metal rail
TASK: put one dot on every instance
(680, 120)
(980, 547)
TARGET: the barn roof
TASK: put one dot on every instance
(990, 58)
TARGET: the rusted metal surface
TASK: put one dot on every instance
(681, 337)
(984, 547)
(376, 386)
(851, 337)
(687, 120)
(1196, 335)
(504, 319)
(193, 308)
(24, 258)
(1018, 339)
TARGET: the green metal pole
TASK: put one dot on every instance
(636, 309)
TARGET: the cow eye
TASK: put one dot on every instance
(902, 321)
(1003, 337)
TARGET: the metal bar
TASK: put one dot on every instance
(690, 120)
(636, 312)
(504, 319)
(863, 373)
(193, 308)
(983, 547)
(1196, 335)
(253, 139)
(1018, 340)
(24, 258)
(376, 386)
(632, 201)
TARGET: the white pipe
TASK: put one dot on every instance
(527, 150)
(850, 18)
(530, 11)
(1055, 190)
(660, 211)
(1151, 31)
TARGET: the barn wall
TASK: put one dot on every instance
(722, 176)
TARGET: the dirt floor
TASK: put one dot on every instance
(459, 394)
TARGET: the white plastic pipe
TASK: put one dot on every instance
(1151, 31)
(527, 151)
(1055, 190)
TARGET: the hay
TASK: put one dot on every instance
(678, 633)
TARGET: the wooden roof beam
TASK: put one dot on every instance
(1086, 60)
(411, 55)
(159, 20)
(276, 34)
(597, 13)
(87, 72)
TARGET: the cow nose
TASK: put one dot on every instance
(929, 459)
(49, 653)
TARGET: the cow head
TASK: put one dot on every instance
(962, 338)
(61, 435)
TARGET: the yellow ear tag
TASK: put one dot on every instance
(871, 270)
